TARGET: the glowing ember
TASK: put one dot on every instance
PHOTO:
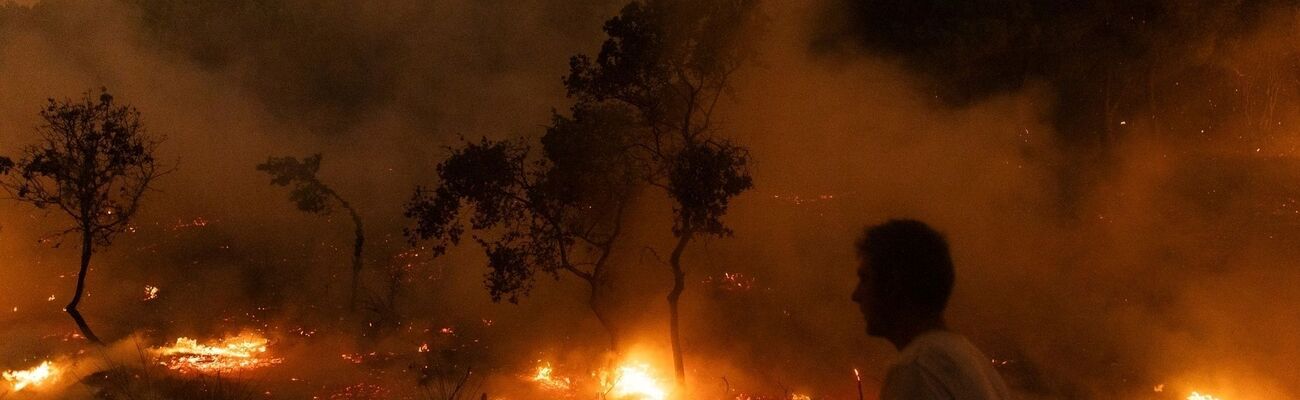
(1198, 396)
(635, 381)
(548, 381)
(731, 282)
(34, 376)
(197, 222)
(244, 352)
(797, 396)
(150, 292)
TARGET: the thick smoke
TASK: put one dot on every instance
(1117, 180)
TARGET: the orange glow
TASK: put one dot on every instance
(34, 376)
(634, 380)
(243, 352)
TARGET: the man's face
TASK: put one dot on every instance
(870, 302)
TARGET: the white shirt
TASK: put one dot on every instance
(943, 365)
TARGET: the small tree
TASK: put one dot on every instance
(561, 213)
(670, 62)
(94, 163)
(313, 196)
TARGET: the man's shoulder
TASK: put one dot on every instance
(942, 347)
(950, 365)
(909, 380)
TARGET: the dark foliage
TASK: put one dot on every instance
(94, 162)
(308, 193)
(704, 179)
(561, 212)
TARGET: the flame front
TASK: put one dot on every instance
(34, 376)
(635, 381)
(244, 352)
(545, 378)
(1198, 396)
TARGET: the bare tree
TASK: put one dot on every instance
(94, 163)
(315, 197)
(670, 61)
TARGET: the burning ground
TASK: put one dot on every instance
(1124, 219)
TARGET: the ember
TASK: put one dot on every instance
(731, 282)
(246, 351)
(34, 376)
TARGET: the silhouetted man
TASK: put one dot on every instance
(905, 278)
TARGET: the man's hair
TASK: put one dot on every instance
(914, 257)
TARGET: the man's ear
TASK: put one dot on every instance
(886, 286)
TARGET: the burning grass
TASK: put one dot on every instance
(243, 352)
(634, 380)
(36, 376)
(547, 381)
(630, 380)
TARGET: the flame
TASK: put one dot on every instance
(150, 292)
(243, 352)
(635, 380)
(34, 376)
(548, 381)
(1198, 396)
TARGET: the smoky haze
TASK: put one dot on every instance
(1123, 210)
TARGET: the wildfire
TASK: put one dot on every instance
(548, 381)
(630, 381)
(243, 352)
(34, 376)
(1198, 396)
(635, 381)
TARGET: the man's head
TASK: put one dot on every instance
(905, 276)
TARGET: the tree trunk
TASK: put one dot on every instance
(596, 303)
(87, 241)
(358, 244)
(679, 284)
